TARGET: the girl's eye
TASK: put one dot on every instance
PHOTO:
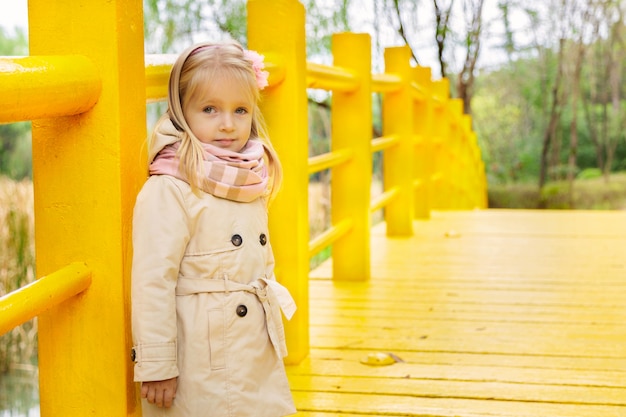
(209, 109)
(241, 110)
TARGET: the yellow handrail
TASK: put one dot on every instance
(37, 87)
(158, 67)
(328, 160)
(385, 83)
(330, 235)
(384, 142)
(383, 199)
(331, 78)
(39, 296)
(419, 92)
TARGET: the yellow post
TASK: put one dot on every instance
(484, 199)
(351, 119)
(440, 133)
(455, 108)
(398, 160)
(422, 125)
(467, 169)
(481, 179)
(87, 171)
(276, 30)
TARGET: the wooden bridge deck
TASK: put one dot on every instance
(494, 313)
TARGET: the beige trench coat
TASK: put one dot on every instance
(205, 304)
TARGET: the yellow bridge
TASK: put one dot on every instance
(443, 309)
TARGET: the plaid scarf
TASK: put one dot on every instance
(238, 176)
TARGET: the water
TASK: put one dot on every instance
(19, 393)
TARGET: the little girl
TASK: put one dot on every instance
(207, 329)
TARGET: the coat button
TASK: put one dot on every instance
(263, 239)
(133, 355)
(236, 240)
(242, 310)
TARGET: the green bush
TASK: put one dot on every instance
(589, 192)
(589, 173)
(518, 196)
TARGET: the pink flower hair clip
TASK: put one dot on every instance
(257, 66)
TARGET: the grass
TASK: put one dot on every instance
(18, 347)
(588, 194)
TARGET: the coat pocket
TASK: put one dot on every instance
(217, 338)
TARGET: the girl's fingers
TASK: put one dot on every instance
(151, 394)
(168, 398)
(159, 394)
(159, 398)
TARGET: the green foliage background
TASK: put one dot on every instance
(510, 121)
(15, 144)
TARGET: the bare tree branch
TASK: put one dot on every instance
(400, 29)
(473, 12)
(442, 19)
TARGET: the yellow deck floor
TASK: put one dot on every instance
(494, 313)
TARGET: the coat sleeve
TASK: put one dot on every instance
(160, 236)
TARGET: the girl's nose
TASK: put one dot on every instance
(227, 123)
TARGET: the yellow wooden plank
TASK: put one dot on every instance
(514, 279)
(411, 406)
(538, 375)
(457, 298)
(511, 330)
(461, 359)
(350, 316)
(495, 313)
(475, 345)
(325, 414)
(477, 390)
(330, 414)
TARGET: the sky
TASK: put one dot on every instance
(14, 13)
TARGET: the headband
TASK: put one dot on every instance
(253, 57)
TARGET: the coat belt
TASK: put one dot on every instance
(273, 296)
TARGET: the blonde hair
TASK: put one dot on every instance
(197, 66)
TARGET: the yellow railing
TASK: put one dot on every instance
(86, 97)
(43, 294)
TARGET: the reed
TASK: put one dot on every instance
(18, 347)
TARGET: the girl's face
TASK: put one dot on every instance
(221, 114)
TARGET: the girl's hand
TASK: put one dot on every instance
(161, 393)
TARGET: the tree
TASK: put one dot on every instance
(445, 37)
(442, 29)
(472, 12)
(581, 14)
(171, 25)
(557, 95)
(15, 158)
(399, 12)
(602, 101)
(505, 8)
